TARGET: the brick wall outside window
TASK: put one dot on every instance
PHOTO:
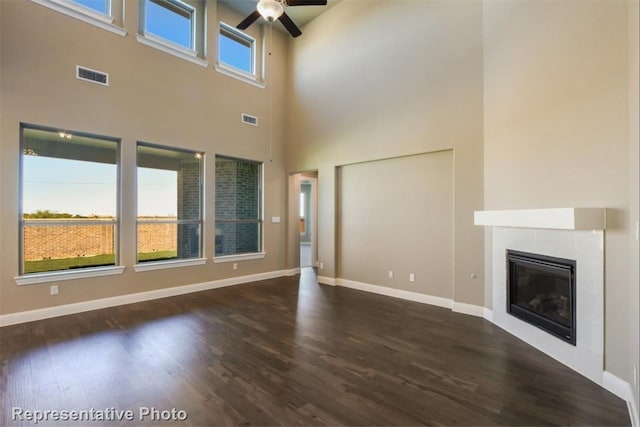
(237, 198)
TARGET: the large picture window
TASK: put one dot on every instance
(238, 206)
(169, 203)
(69, 199)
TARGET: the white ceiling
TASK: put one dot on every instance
(299, 14)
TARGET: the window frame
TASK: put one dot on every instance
(88, 15)
(241, 37)
(175, 6)
(69, 274)
(108, 16)
(260, 253)
(178, 262)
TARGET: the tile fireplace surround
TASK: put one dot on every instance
(572, 233)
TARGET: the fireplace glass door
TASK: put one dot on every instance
(541, 291)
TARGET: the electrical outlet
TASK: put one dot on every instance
(235, 266)
(54, 290)
(321, 265)
(412, 277)
(390, 274)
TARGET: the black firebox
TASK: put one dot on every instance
(541, 290)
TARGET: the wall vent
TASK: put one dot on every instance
(249, 120)
(87, 74)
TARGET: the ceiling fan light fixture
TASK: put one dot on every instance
(270, 9)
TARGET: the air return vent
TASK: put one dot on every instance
(249, 120)
(87, 74)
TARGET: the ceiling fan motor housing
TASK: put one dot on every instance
(270, 9)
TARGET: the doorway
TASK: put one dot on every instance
(307, 222)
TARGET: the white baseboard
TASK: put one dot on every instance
(623, 390)
(458, 307)
(291, 272)
(326, 280)
(470, 309)
(488, 314)
(80, 307)
(396, 293)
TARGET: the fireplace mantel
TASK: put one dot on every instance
(569, 233)
(556, 219)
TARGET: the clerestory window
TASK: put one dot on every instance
(172, 21)
(103, 7)
(236, 50)
(105, 14)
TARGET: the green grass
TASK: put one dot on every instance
(157, 256)
(90, 261)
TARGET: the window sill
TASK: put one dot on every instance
(66, 8)
(227, 71)
(176, 51)
(241, 257)
(162, 265)
(56, 276)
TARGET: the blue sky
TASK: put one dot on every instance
(69, 186)
(98, 5)
(89, 188)
(167, 24)
(235, 54)
(157, 192)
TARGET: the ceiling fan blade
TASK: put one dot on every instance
(289, 25)
(306, 2)
(248, 20)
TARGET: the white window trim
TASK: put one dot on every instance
(230, 70)
(57, 276)
(171, 48)
(162, 265)
(239, 257)
(239, 75)
(237, 34)
(175, 4)
(83, 14)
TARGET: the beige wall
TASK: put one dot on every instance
(152, 97)
(397, 215)
(556, 119)
(634, 189)
(376, 80)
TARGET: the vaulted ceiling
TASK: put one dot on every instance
(301, 15)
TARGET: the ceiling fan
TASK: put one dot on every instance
(274, 9)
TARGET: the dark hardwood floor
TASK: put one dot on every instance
(290, 352)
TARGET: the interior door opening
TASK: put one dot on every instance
(307, 224)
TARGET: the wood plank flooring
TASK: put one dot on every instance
(293, 353)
